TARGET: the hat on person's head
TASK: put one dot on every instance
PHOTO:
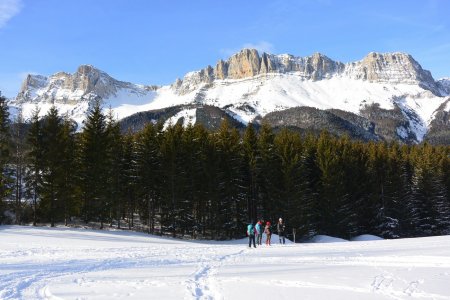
(280, 219)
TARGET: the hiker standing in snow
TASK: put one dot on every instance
(281, 228)
(268, 233)
(259, 232)
(251, 235)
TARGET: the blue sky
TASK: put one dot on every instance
(154, 42)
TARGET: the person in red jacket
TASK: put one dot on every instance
(268, 232)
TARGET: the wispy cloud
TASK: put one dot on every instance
(8, 9)
(261, 46)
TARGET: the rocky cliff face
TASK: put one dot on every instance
(444, 85)
(375, 67)
(392, 68)
(86, 84)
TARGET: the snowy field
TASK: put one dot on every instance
(61, 263)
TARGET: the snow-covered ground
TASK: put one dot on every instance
(61, 263)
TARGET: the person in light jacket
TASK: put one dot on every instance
(268, 232)
(281, 230)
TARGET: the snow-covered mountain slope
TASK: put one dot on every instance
(64, 263)
(248, 86)
(73, 93)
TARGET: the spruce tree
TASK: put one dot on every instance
(200, 170)
(34, 160)
(174, 177)
(94, 145)
(18, 162)
(149, 173)
(5, 174)
(289, 148)
(307, 206)
(231, 212)
(429, 193)
(251, 158)
(115, 177)
(270, 177)
(52, 156)
(129, 178)
(67, 181)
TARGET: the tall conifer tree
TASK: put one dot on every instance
(5, 174)
(94, 145)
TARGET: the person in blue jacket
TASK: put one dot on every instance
(259, 232)
(251, 235)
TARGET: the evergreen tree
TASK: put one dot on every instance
(200, 170)
(67, 181)
(251, 158)
(270, 177)
(34, 160)
(174, 177)
(308, 209)
(129, 177)
(335, 205)
(432, 212)
(94, 172)
(353, 164)
(392, 211)
(231, 212)
(52, 156)
(289, 148)
(115, 176)
(5, 174)
(149, 173)
(18, 162)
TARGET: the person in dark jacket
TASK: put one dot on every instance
(251, 235)
(281, 230)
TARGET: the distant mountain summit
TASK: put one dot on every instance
(73, 93)
(375, 67)
(384, 96)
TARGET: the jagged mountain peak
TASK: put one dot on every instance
(395, 67)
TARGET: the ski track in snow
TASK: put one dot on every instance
(202, 286)
(37, 276)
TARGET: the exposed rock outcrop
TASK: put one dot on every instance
(391, 67)
(85, 84)
(375, 67)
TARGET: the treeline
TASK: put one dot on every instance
(201, 184)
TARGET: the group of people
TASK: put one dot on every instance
(255, 232)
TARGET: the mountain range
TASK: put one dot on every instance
(384, 96)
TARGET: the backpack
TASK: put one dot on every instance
(250, 229)
(258, 228)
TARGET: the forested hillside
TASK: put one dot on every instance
(192, 182)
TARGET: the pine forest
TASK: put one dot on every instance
(188, 182)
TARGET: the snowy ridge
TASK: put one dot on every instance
(249, 86)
